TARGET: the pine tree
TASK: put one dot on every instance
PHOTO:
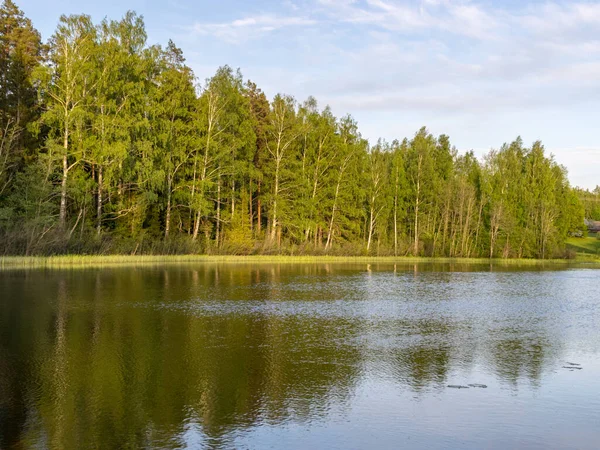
(21, 52)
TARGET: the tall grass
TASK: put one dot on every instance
(83, 261)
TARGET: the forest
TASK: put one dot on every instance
(590, 202)
(110, 145)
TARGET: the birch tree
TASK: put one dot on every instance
(71, 79)
(282, 133)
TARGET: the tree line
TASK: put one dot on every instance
(590, 199)
(109, 145)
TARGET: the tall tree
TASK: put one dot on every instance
(120, 42)
(282, 133)
(378, 189)
(70, 82)
(259, 113)
(21, 52)
(420, 173)
(400, 187)
(174, 104)
(345, 199)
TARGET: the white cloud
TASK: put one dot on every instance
(552, 18)
(457, 18)
(240, 30)
(485, 71)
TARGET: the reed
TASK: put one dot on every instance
(88, 261)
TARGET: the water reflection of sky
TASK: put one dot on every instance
(288, 356)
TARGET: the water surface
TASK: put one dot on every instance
(299, 356)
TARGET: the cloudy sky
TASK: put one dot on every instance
(483, 72)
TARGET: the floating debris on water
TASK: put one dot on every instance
(572, 367)
(573, 364)
(458, 386)
(478, 385)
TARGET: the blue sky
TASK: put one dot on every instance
(482, 72)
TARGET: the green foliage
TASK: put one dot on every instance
(590, 202)
(131, 156)
(20, 54)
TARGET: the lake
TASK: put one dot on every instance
(300, 356)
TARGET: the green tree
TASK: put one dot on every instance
(119, 44)
(378, 192)
(68, 88)
(346, 197)
(174, 102)
(420, 173)
(21, 53)
(282, 132)
(320, 147)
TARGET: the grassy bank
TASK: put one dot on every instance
(585, 246)
(83, 261)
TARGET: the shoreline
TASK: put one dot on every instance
(91, 261)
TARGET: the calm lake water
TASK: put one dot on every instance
(300, 356)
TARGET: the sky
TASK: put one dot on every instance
(482, 72)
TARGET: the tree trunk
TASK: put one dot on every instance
(396, 216)
(62, 217)
(217, 236)
(330, 231)
(99, 206)
(258, 210)
(203, 174)
(276, 193)
(371, 225)
(232, 199)
(478, 223)
(446, 219)
(417, 199)
(196, 226)
(416, 243)
(168, 212)
(465, 236)
(251, 212)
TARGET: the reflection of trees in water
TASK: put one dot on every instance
(135, 357)
(115, 361)
(421, 367)
(13, 410)
(18, 378)
(429, 362)
(422, 352)
(517, 358)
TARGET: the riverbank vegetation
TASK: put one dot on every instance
(98, 261)
(589, 245)
(109, 145)
(590, 201)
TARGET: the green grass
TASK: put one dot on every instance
(85, 261)
(585, 246)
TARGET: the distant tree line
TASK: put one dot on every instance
(591, 202)
(108, 145)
